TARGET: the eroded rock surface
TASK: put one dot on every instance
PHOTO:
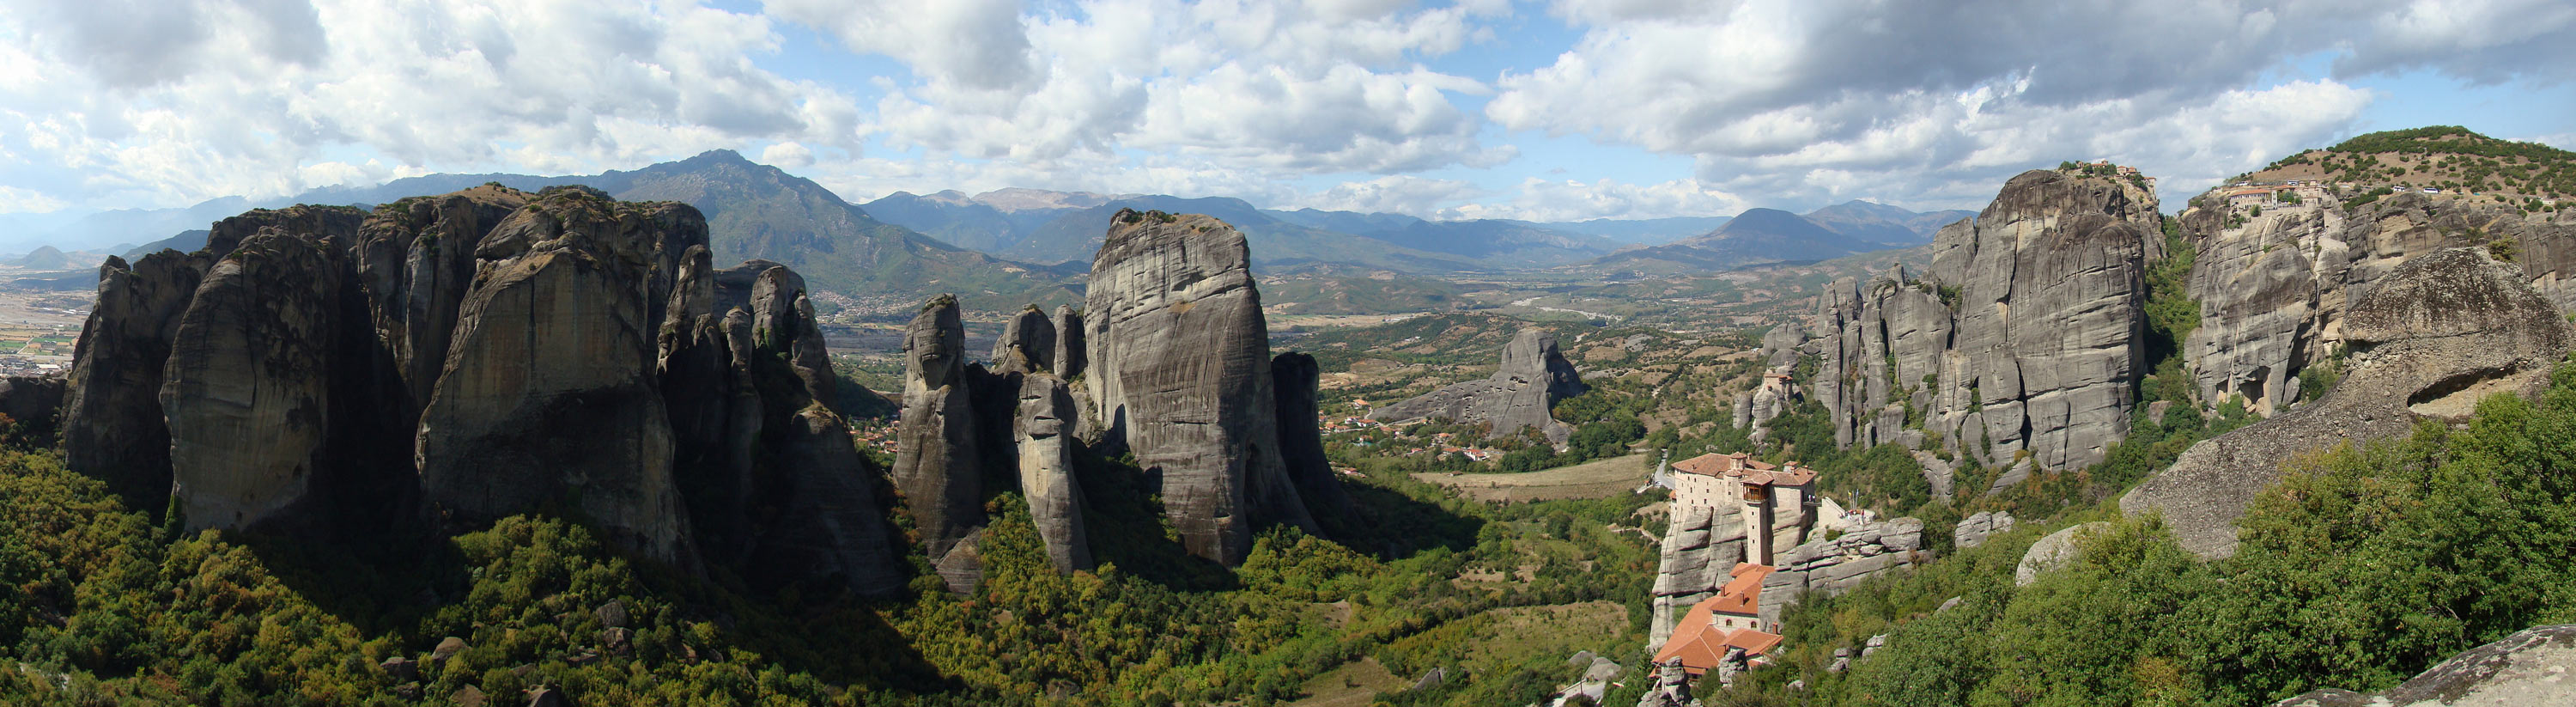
(2440, 332)
(1179, 367)
(1027, 343)
(2531, 667)
(2022, 336)
(2277, 288)
(112, 424)
(1974, 529)
(248, 399)
(938, 463)
(1301, 435)
(1043, 433)
(1534, 375)
(2052, 551)
(549, 391)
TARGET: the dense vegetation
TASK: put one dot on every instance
(105, 606)
(2363, 567)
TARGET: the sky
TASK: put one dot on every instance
(1551, 111)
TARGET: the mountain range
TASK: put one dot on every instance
(1006, 247)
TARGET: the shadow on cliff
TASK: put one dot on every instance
(1127, 527)
(396, 580)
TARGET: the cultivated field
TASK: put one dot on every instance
(1600, 478)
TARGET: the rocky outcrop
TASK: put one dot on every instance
(938, 463)
(2529, 667)
(2022, 336)
(1069, 355)
(33, 402)
(1027, 343)
(1978, 526)
(1534, 375)
(517, 351)
(1301, 436)
(2053, 551)
(1837, 564)
(2276, 288)
(550, 379)
(1179, 369)
(1045, 445)
(2440, 332)
(1701, 547)
(248, 393)
(112, 424)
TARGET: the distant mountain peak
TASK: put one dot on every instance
(718, 155)
(1024, 198)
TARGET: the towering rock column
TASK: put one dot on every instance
(1044, 437)
(1179, 366)
(112, 424)
(936, 461)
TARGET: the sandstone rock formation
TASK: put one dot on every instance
(1534, 375)
(112, 425)
(2275, 290)
(1027, 343)
(1974, 529)
(2435, 335)
(1069, 347)
(2529, 667)
(938, 460)
(1701, 547)
(548, 391)
(34, 402)
(2021, 337)
(1179, 369)
(1301, 436)
(515, 350)
(2053, 551)
(1045, 444)
(1837, 564)
(247, 399)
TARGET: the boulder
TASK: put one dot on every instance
(2056, 550)
(549, 392)
(2527, 668)
(247, 399)
(1974, 529)
(1027, 343)
(2438, 333)
(1179, 369)
(1534, 375)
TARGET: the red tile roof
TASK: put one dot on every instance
(1743, 467)
(1700, 643)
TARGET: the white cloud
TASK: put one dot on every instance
(1814, 100)
(14, 200)
(1570, 200)
(1284, 88)
(249, 96)
(787, 155)
(1403, 194)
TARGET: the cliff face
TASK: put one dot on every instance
(2441, 331)
(248, 399)
(549, 379)
(1533, 376)
(2021, 337)
(1179, 369)
(515, 350)
(2276, 289)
